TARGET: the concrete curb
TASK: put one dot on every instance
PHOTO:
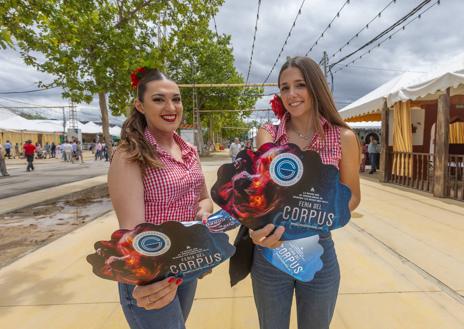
(31, 198)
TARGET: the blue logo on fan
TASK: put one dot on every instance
(151, 243)
(286, 169)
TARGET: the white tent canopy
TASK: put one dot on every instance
(115, 131)
(17, 123)
(366, 125)
(91, 128)
(411, 86)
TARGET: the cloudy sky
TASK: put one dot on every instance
(435, 37)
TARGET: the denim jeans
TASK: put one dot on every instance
(373, 161)
(315, 300)
(172, 316)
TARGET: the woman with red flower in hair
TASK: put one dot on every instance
(309, 119)
(156, 176)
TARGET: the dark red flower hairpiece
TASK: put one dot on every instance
(277, 106)
(136, 75)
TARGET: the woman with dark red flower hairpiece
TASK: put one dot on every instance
(156, 176)
(309, 119)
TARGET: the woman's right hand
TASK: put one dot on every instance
(262, 238)
(156, 295)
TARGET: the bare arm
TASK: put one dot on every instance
(263, 137)
(205, 205)
(125, 185)
(349, 166)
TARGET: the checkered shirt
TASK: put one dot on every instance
(329, 147)
(173, 192)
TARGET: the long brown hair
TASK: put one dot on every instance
(133, 142)
(323, 102)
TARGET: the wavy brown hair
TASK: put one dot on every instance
(133, 142)
(323, 102)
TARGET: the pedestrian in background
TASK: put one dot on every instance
(17, 152)
(79, 154)
(53, 150)
(68, 150)
(235, 148)
(29, 152)
(3, 170)
(373, 151)
(8, 149)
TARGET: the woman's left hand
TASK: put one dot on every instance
(202, 215)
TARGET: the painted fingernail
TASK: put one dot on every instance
(171, 280)
(179, 281)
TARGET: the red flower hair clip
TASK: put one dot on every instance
(136, 75)
(277, 106)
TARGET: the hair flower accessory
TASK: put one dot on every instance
(136, 75)
(277, 106)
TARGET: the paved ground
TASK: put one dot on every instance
(401, 258)
(47, 173)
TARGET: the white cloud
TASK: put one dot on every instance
(437, 35)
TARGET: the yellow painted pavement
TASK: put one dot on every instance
(401, 257)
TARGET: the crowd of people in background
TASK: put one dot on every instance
(68, 151)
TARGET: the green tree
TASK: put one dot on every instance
(209, 59)
(90, 47)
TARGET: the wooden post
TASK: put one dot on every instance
(384, 155)
(442, 146)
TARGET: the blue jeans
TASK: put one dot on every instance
(373, 161)
(172, 316)
(315, 300)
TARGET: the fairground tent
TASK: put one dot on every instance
(10, 121)
(409, 86)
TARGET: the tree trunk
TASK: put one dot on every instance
(105, 122)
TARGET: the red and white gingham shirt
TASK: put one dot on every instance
(329, 147)
(173, 192)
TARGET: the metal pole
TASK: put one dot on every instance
(64, 124)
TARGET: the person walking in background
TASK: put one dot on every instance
(79, 155)
(248, 145)
(74, 150)
(364, 157)
(17, 151)
(3, 170)
(53, 150)
(68, 150)
(105, 151)
(47, 150)
(373, 151)
(235, 148)
(8, 149)
(29, 151)
(98, 151)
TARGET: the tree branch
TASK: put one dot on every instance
(130, 14)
